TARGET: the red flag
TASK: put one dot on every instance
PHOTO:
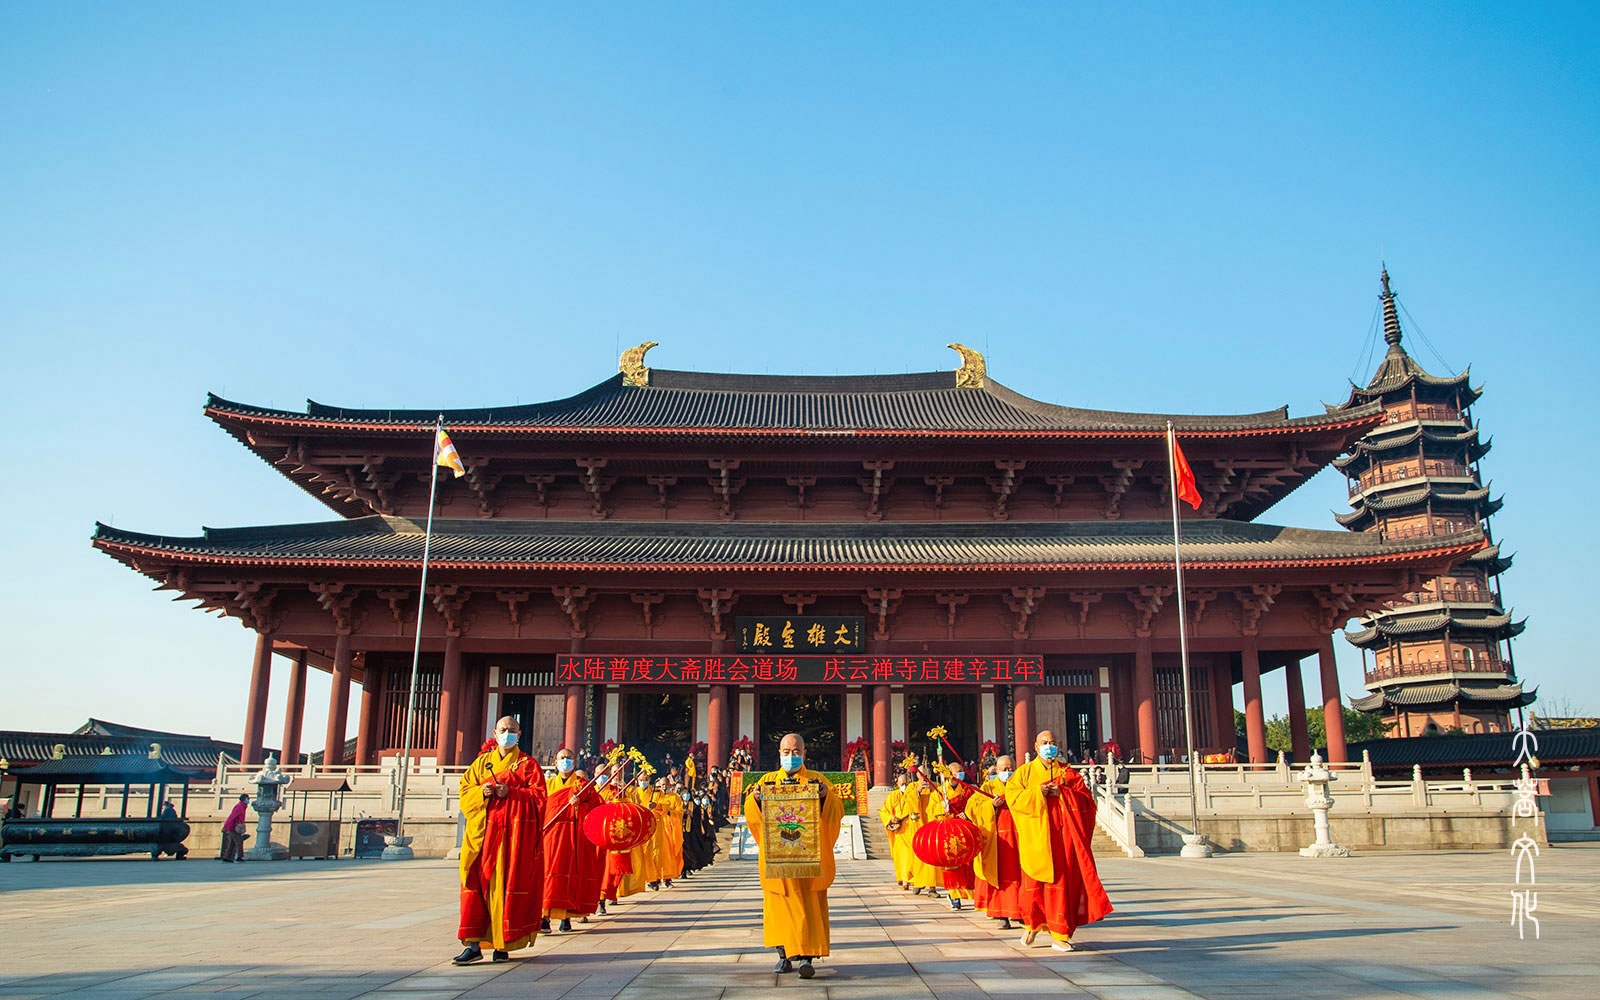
(1183, 477)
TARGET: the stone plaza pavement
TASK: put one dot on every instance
(1388, 925)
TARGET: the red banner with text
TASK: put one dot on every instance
(791, 670)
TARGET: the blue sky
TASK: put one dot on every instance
(1157, 208)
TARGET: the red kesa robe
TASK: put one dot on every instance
(502, 852)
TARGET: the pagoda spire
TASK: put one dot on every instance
(1391, 318)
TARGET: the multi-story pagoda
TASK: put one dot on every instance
(671, 557)
(1440, 655)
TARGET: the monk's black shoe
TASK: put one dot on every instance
(502, 956)
(469, 954)
(565, 925)
(544, 925)
(602, 907)
(783, 966)
(804, 968)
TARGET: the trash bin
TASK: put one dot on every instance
(315, 838)
(370, 834)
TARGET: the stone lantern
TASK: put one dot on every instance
(1316, 777)
(269, 799)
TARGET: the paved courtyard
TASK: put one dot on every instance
(1393, 926)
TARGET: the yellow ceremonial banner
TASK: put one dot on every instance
(791, 840)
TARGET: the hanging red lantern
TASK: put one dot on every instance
(948, 843)
(619, 826)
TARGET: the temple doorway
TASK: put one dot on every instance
(660, 723)
(542, 718)
(814, 716)
(957, 713)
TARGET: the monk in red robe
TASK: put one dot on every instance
(1054, 814)
(502, 852)
(618, 864)
(572, 869)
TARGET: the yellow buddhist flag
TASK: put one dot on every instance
(688, 770)
(445, 455)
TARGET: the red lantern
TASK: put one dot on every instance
(948, 843)
(619, 826)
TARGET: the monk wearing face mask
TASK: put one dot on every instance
(794, 911)
(502, 852)
(1054, 815)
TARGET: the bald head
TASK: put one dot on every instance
(1004, 763)
(1044, 739)
(792, 752)
(507, 725)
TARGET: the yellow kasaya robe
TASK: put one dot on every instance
(669, 826)
(794, 911)
(1061, 888)
(647, 856)
(914, 812)
(894, 810)
(501, 893)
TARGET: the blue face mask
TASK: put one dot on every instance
(792, 762)
(1003, 775)
(961, 776)
(1049, 751)
(565, 765)
(506, 740)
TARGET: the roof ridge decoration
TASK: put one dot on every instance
(974, 371)
(632, 367)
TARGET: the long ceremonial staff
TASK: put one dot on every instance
(922, 770)
(416, 652)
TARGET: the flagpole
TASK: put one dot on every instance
(400, 847)
(1194, 845)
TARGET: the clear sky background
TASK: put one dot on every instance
(1163, 208)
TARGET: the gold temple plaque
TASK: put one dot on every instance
(791, 831)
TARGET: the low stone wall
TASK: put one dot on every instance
(1254, 832)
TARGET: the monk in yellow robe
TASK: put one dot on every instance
(502, 852)
(997, 868)
(645, 859)
(914, 805)
(892, 814)
(669, 826)
(794, 911)
(1054, 813)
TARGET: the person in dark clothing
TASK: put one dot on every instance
(173, 847)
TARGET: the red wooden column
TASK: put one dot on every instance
(1222, 703)
(572, 736)
(476, 728)
(338, 702)
(294, 717)
(1332, 704)
(882, 766)
(255, 710)
(717, 740)
(1255, 720)
(1022, 719)
(371, 712)
(1144, 697)
(1298, 733)
(450, 700)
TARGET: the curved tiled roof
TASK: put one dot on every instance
(1383, 627)
(382, 541)
(1373, 444)
(1555, 746)
(1368, 504)
(699, 402)
(1398, 371)
(1443, 692)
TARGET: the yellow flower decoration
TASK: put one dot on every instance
(614, 756)
(938, 733)
(910, 763)
(942, 770)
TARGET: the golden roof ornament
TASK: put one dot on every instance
(631, 364)
(973, 371)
